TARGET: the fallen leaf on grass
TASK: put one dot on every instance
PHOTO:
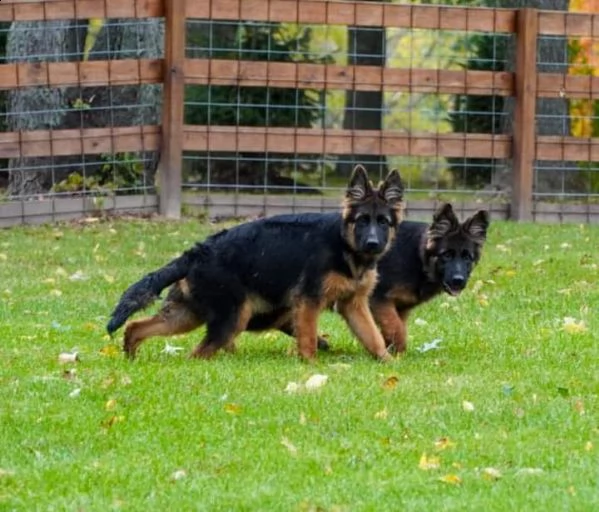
(5, 473)
(289, 445)
(443, 443)
(420, 321)
(232, 408)
(491, 474)
(391, 382)
(579, 407)
(451, 478)
(69, 373)
(292, 387)
(170, 350)
(113, 420)
(110, 404)
(78, 276)
(178, 475)
(110, 350)
(382, 414)
(588, 446)
(427, 463)
(68, 357)
(316, 381)
(467, 406)
(56, 292)
(431, 345)
(573, 326)
(75, 393)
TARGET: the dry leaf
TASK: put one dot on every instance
(579, 406)
(588, 446)
(443, 443)
(483, 300)
(451, 478)
(232, 408)
(68, 357)
(178, 475)
(467, 406)
(170, 350)
(427, 463)
(56, 292)
(110, 405)
(302, 419)
(75, 393)
(69, 374)
(113, 420)
(381, 415)
(289, 445)
(316, 381)
(391, 382)
(491, 474)
(110, 350)
(420, 321)
(573, 326)
(292, 387)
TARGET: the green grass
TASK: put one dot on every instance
(246, 444)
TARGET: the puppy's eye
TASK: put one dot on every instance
(466, 255)
(383, 221)
(363, 220)
(448, 254)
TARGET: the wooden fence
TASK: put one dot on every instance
(173, 137)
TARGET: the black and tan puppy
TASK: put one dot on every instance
(277, 272)
(424, 261)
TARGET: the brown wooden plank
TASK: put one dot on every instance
(554, 85)
(356, 13)
(35, 10)
(361, 78)
(74, 142)
(85, 74)
(338, 142)
(573, 24)
(574, 149)
(524, 114)
(172, 110)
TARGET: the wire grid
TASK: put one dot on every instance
(397, 111)
(572, 176)
(109, 105)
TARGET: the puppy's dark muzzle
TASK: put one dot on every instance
(455, 285)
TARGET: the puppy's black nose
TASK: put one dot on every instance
(372, 246)
(457, 282)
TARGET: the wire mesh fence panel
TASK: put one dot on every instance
(277, 106)
(79, 107)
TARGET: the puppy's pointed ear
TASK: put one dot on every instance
(392, 188)
(359, 187)
(444, 221)
(477, 225)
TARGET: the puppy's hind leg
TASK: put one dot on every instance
(222, 330)
(173, 318)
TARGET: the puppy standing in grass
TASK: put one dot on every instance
(277, 272)
(424, 261)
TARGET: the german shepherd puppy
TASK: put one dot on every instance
(277, 272)
(424, 261)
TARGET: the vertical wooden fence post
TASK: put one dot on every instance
(524, 132)
(172, 109)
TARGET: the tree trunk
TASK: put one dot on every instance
(39, 108)
(553, 116)
(364, 109)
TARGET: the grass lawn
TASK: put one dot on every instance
(503, 416)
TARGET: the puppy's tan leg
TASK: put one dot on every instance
(357, 314)
(392, 324)
(306, 327)
(173, 318)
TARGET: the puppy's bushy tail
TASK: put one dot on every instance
(145, 291)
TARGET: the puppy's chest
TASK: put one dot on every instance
(337, 286)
